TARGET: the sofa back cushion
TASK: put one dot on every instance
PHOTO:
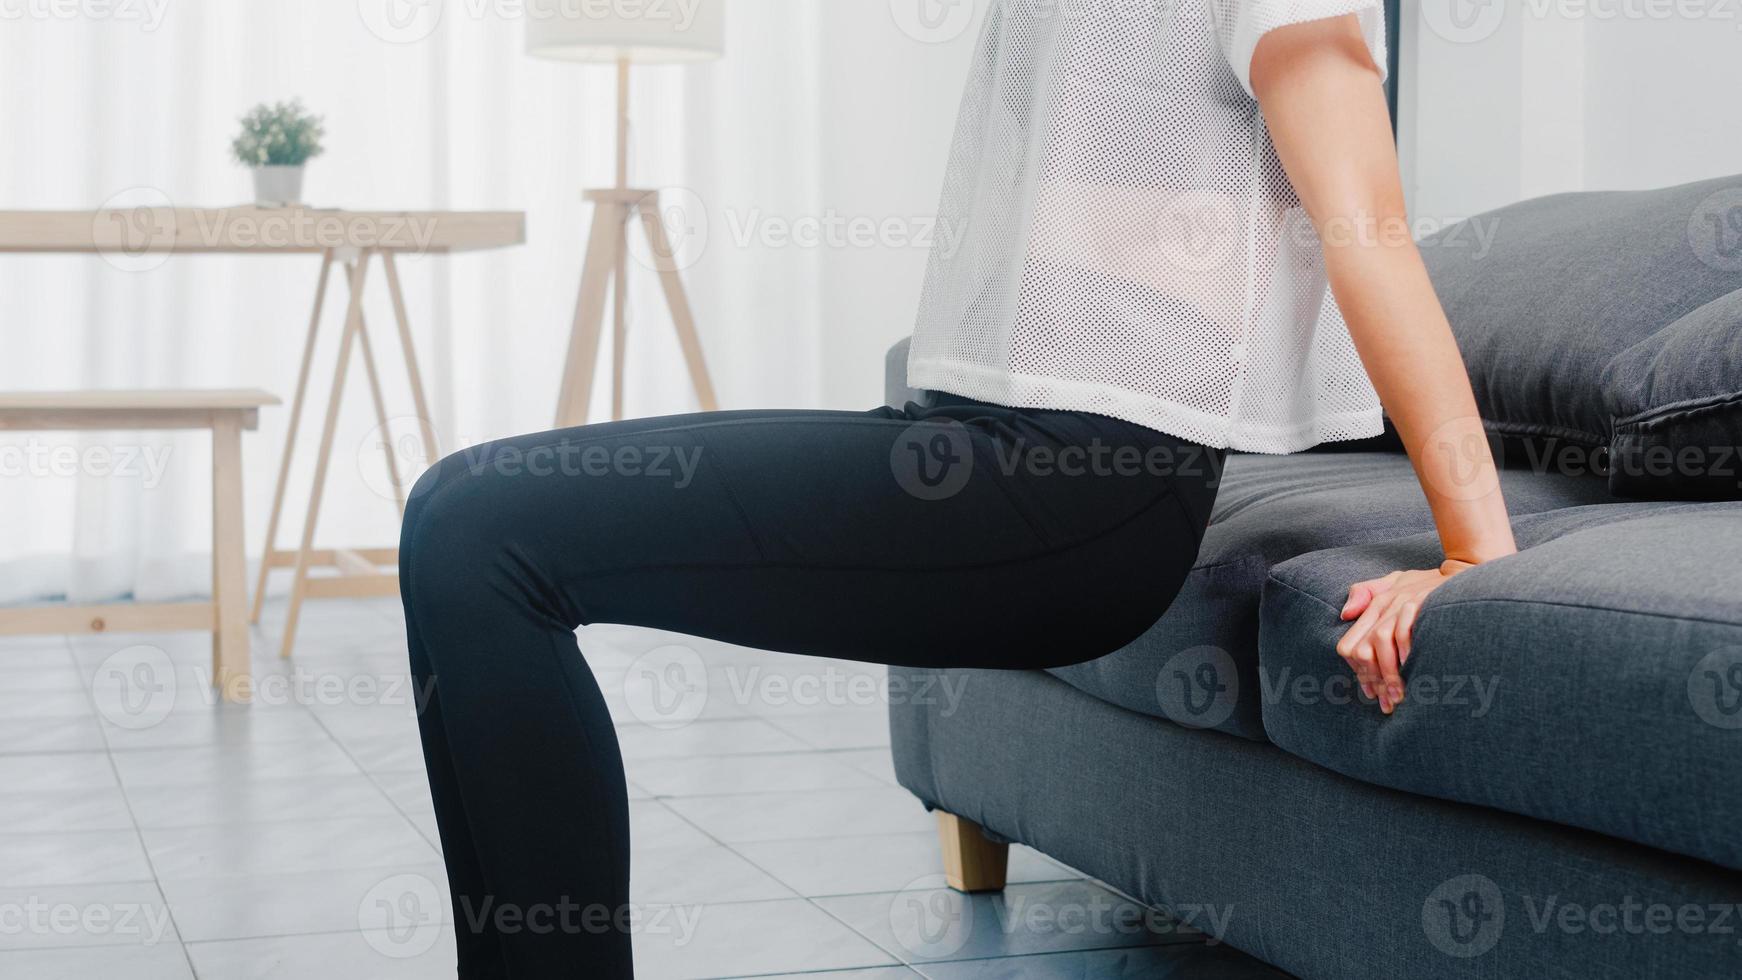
(1608, 321)
(1676, 400)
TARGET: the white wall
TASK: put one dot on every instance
(890, 87)
(1504, 101)
(1663, 101)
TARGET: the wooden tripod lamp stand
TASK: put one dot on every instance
(626, 33)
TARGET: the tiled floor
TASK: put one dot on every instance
(147, 833)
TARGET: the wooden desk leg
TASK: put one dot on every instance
(308, 356)
(230, 640)
(381, 421)
(425, 421)
(299, 584)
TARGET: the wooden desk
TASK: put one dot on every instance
(350, 239)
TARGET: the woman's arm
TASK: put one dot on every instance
(1325, 108)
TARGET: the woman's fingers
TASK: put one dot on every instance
(1350, 642)
(1362, 594)
(1405, 630)
(1385, 659)
(1352, 638)
(1356, 648)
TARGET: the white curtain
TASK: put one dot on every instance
(137, 100)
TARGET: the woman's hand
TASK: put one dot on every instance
(1384, 611)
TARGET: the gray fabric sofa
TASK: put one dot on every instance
(1561, 796)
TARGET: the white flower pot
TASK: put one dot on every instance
(277, 186)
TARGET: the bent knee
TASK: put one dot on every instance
(430, 486)
(446, 514)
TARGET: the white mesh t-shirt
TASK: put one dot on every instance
(1117, 235)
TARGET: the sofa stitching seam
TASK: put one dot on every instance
(1449, 603)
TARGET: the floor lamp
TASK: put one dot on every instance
(626, 34)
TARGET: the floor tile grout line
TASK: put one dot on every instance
(101, 883)
(809, 900)
(904, 960)
(920, 966)
(836, 971)
(832, 972)
(940, 874)
(720, 843)
(157, 880)
(60, 752)
(900, 959)
(436, 843)
(369, 775)
(184, 943)
(138, 833)
(876, 784)
(291, 935)
(296, 935)
(1067, 875)
(86, 947)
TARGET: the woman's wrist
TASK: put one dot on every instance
(1464, 561)
(1480, 549)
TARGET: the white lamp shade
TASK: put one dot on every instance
(644, 31)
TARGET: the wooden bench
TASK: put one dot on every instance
(225, 414)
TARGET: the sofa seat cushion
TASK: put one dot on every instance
(1594, 679)
(1198, 665)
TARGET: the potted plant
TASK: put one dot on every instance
(276, 141)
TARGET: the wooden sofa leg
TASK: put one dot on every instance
(972, 863)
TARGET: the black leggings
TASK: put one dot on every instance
(959, 535)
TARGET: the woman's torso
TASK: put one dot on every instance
(1118, 235)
